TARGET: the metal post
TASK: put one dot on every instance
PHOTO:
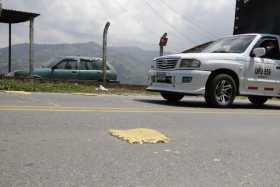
(162, 43)
(104, 56)
(10, 48)
(31, 40)
(161, 51)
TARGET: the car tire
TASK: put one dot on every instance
(172, 97)
(258, 100)
(221, 91)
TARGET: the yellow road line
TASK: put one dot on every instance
(134, 110)
(90, 108)
(97, 108)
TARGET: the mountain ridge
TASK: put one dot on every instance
(132, 63)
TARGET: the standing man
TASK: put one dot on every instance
(162, 43)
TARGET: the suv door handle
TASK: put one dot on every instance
(74, 71)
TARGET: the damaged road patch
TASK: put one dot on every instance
(140, 136)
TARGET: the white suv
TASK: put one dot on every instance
(247, 65)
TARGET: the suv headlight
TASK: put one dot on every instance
(189, 63)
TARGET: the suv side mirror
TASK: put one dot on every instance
(53, 68)
(259, 52)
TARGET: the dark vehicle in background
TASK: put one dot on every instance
(257, 16)
(73, 68)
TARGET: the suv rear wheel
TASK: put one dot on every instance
(221, 91)
(172, 97)
(258, 100)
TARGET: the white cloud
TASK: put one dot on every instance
(132, 21)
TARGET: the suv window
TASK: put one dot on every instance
(272, 48)
(69, 64)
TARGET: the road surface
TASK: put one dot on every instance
(62, 140)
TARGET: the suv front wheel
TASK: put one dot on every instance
(221, 91)
(172, 97)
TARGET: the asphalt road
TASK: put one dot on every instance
(62, 140)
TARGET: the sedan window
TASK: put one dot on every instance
(91, 65)
(98, 65)
(61, 65)
(84, 64)
(69, 64)
(88, 65)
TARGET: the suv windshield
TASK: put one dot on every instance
(235, 44)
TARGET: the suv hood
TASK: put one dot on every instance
(205, 56)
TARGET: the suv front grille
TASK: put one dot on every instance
(166, 64)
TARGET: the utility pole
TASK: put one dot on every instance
(10, 48)
(31, 41)
(104, 56)
(162, 43)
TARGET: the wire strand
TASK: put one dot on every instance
(167, 23)
(197, 26)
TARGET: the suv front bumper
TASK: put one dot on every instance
(188, 82)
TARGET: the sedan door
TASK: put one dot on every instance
(67, 69)
(89, 71)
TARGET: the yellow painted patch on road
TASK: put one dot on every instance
(18, 92)
(140, 136)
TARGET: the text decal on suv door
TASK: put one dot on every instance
(263, 72)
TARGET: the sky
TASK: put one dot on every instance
(133, 22)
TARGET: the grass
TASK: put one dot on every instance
(69, 87)
(72, 87)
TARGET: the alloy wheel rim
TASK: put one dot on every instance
(224, 92)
